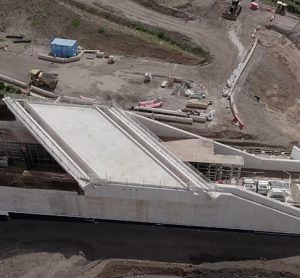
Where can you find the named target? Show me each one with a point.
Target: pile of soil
(248, 269)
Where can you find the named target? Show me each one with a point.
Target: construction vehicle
(148, 77)
(40, 79)
(281, 8)
(233, 10)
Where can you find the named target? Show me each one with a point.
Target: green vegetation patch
(7, 89)
(172, 38)
(293, 5)
(163, 36)
(39, 18)
(102, 29)
(76, 22)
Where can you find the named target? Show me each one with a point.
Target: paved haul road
(214, 38)
(158, 243)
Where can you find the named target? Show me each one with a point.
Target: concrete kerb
(50, 58)
(60, 60)
(244, 64)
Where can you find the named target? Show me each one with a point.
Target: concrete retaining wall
(163, 130)
(240, 71)
(152, 205)
(252, 161)
(295, 153)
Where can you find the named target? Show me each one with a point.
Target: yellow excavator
(40, 79)
(233, 10)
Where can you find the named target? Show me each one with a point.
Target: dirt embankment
(170, 38)
(157, 6)
(248, 269)
(273, 77)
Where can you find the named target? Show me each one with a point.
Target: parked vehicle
(280, 190)
(263, 187)
(282, 185)
(233, 10)
(249, 184)
(277, 194)
(250, 187)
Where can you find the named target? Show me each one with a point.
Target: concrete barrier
(76, 100)
(50, 58)
(252, 161)
(13, 81)
(42, 92)
(295, 154)
(162, 129)
(239, 73)
(60, 60)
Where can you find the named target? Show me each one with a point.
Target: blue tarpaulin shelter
(63, 48)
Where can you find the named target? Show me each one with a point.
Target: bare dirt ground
(249, 269)
(42, 20)
(30, 250)
(159, 270)
(278, 106)
(226, 41)
(56, 265)
(56, 249)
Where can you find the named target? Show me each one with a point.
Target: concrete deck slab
(103, 146)
(202, 151)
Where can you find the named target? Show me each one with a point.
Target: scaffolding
(229, 174)
(29, 154)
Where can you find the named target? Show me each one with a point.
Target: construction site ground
(47, 249)
(273, 73)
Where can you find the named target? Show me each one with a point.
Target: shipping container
(63, 48)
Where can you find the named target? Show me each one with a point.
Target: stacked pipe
(13, 81)
(166, 118)
(169, 115)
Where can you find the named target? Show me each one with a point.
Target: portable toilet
(63, 48)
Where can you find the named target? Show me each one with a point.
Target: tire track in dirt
(212, 38)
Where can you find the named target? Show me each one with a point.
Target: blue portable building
(63, 48)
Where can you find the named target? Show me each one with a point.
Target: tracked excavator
(233, 10)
